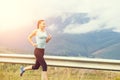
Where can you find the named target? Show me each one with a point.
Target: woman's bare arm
(30, 36)
(48, 38)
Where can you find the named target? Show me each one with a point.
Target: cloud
(52, 27)
(103, 14)
(82, 28)
(21, 13)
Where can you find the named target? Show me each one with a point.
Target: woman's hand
(48, 38)
(34, 44)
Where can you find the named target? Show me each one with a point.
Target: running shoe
(21, 70)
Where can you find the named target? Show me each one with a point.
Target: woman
(42, 37)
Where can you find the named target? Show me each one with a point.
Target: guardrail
(73, 62)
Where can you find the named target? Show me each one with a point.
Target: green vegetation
(11, 72)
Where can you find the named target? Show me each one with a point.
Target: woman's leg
(31, 67)
(28, 68)
(44, 75)
(43, 64)
(37, 64)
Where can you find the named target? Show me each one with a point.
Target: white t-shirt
(41, 39)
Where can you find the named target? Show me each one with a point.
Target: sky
(104, 14)
(18, 15)
(15, 14)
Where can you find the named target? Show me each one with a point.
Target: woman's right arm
(30, 36)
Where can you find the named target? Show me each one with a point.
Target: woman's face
(42, 25)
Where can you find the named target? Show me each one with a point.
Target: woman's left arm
(48, 38)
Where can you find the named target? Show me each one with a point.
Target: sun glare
(13, 14)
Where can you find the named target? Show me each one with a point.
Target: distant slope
(111, 52)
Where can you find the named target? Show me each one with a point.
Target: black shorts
(40, 61)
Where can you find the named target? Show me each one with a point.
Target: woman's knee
(44, 67)
(35, 67)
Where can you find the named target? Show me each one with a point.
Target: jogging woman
(42, 37)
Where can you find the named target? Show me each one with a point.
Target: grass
(11, 72)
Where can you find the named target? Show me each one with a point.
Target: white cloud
(107, 13)
(52, 27)
(82, 28)
(20, 13)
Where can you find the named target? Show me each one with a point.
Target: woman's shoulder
(35, 30)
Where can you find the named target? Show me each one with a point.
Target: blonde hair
(39, 22)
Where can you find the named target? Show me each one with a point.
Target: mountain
(110, 52)
(96, 44)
